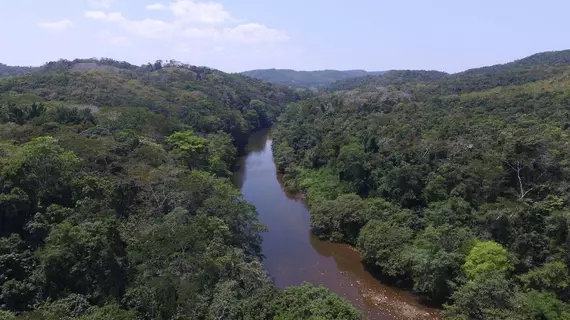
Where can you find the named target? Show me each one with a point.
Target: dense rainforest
(115, 201)
(455, 186)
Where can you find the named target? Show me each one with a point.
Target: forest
(115, 198)
(455, 186)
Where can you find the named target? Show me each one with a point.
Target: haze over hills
(7, 71)
(307, 79)
(348, 79)
(532, 68)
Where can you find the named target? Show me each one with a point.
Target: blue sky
(237, 35)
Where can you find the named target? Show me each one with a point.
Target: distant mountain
(536, 67)
(306, 79)
(8, 71)
(392, 77)
(550, 58)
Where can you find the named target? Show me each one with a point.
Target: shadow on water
(294, 255)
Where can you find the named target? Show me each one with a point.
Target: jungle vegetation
(116, 203)
(456, 186)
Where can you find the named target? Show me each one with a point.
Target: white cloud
(100, 15)
(189, 11)
(115, 40)
(149, 28)
(248, 33)
(101, 3)
(204, 12)
(55, 25)
(191, 30)
(201, 33)
(252, 33)
(156, 6)
(97, 15)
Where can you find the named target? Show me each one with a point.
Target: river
(294, 255)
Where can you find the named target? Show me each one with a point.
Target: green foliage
(549, 277)
(186, 142)
(86, 259)
(385, 244)
(115, 202)
(5, 315)
(221, 153)
(486, 298)
(111, 312)
(189, 146)
(484, 258)
(436, 257)
(538, 305)
(338, 218)
(312, 303)
(68, 308)
(114, 197)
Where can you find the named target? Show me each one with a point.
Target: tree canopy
(457, 185)
(116, 202)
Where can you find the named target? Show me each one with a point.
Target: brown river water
(294, 255)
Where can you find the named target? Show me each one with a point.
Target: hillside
(116, 202)
(551, 58)
(8, 71)
(457, 186)
(392, 77)
(306, 79)
(537, 67)
(206, 99)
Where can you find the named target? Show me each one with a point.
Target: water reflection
(294, 255)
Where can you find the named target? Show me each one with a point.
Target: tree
(5, 315)
(14, 211)
(221, 153)
(552, 276)
(491, 297)
(111, 312)
(87, 259)
(44, 170)
(189, 146)
(340, 219)
(18, 287)
(537, 305)
(453, 211)
(384, 244)
(351, 164)
(311, 303)
(436, 259)
(484, 258)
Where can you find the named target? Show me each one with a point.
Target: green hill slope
(206, 99)
(533, 68)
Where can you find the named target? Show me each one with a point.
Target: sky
(238, 35)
